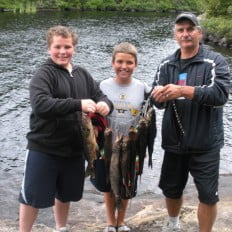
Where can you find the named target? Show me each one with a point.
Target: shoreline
(146, 212)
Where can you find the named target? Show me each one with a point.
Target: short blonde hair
(127, 48)
(63, 31)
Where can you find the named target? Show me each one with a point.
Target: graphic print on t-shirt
(122, 106)
(182, 80)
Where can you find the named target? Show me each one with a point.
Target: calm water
(23, 48)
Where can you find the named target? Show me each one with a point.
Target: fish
(142, 142)
(132, 154)
(90, 144)
(107, 148)
(150, 117)
(152, 131)
(115, 172)
(124, 160)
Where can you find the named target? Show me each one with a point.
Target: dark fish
(107, 151)
(91, 146)
(151, 132)
(124, 160)
(132, 153)
(115, 172)
(142, 142)
(149, 117)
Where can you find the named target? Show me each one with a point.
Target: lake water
(23, 48)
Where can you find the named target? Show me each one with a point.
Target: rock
(12, 226)
(145, 213)
(216, 40)
(143, 216)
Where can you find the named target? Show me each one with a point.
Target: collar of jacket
(49, 61)
(175, 58)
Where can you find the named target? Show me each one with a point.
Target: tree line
(211, 7)
(218, 7)
(217, 13)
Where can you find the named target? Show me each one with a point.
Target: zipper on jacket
(71, 82)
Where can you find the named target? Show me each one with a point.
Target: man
(192, 85)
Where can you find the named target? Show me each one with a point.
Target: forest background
(215, 14)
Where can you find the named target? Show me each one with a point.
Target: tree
(217, 7)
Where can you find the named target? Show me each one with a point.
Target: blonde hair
(127, 48)
(63, 31)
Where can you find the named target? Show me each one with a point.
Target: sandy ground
(145, 213)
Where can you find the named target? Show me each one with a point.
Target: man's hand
(171, 91)
(158, 94)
